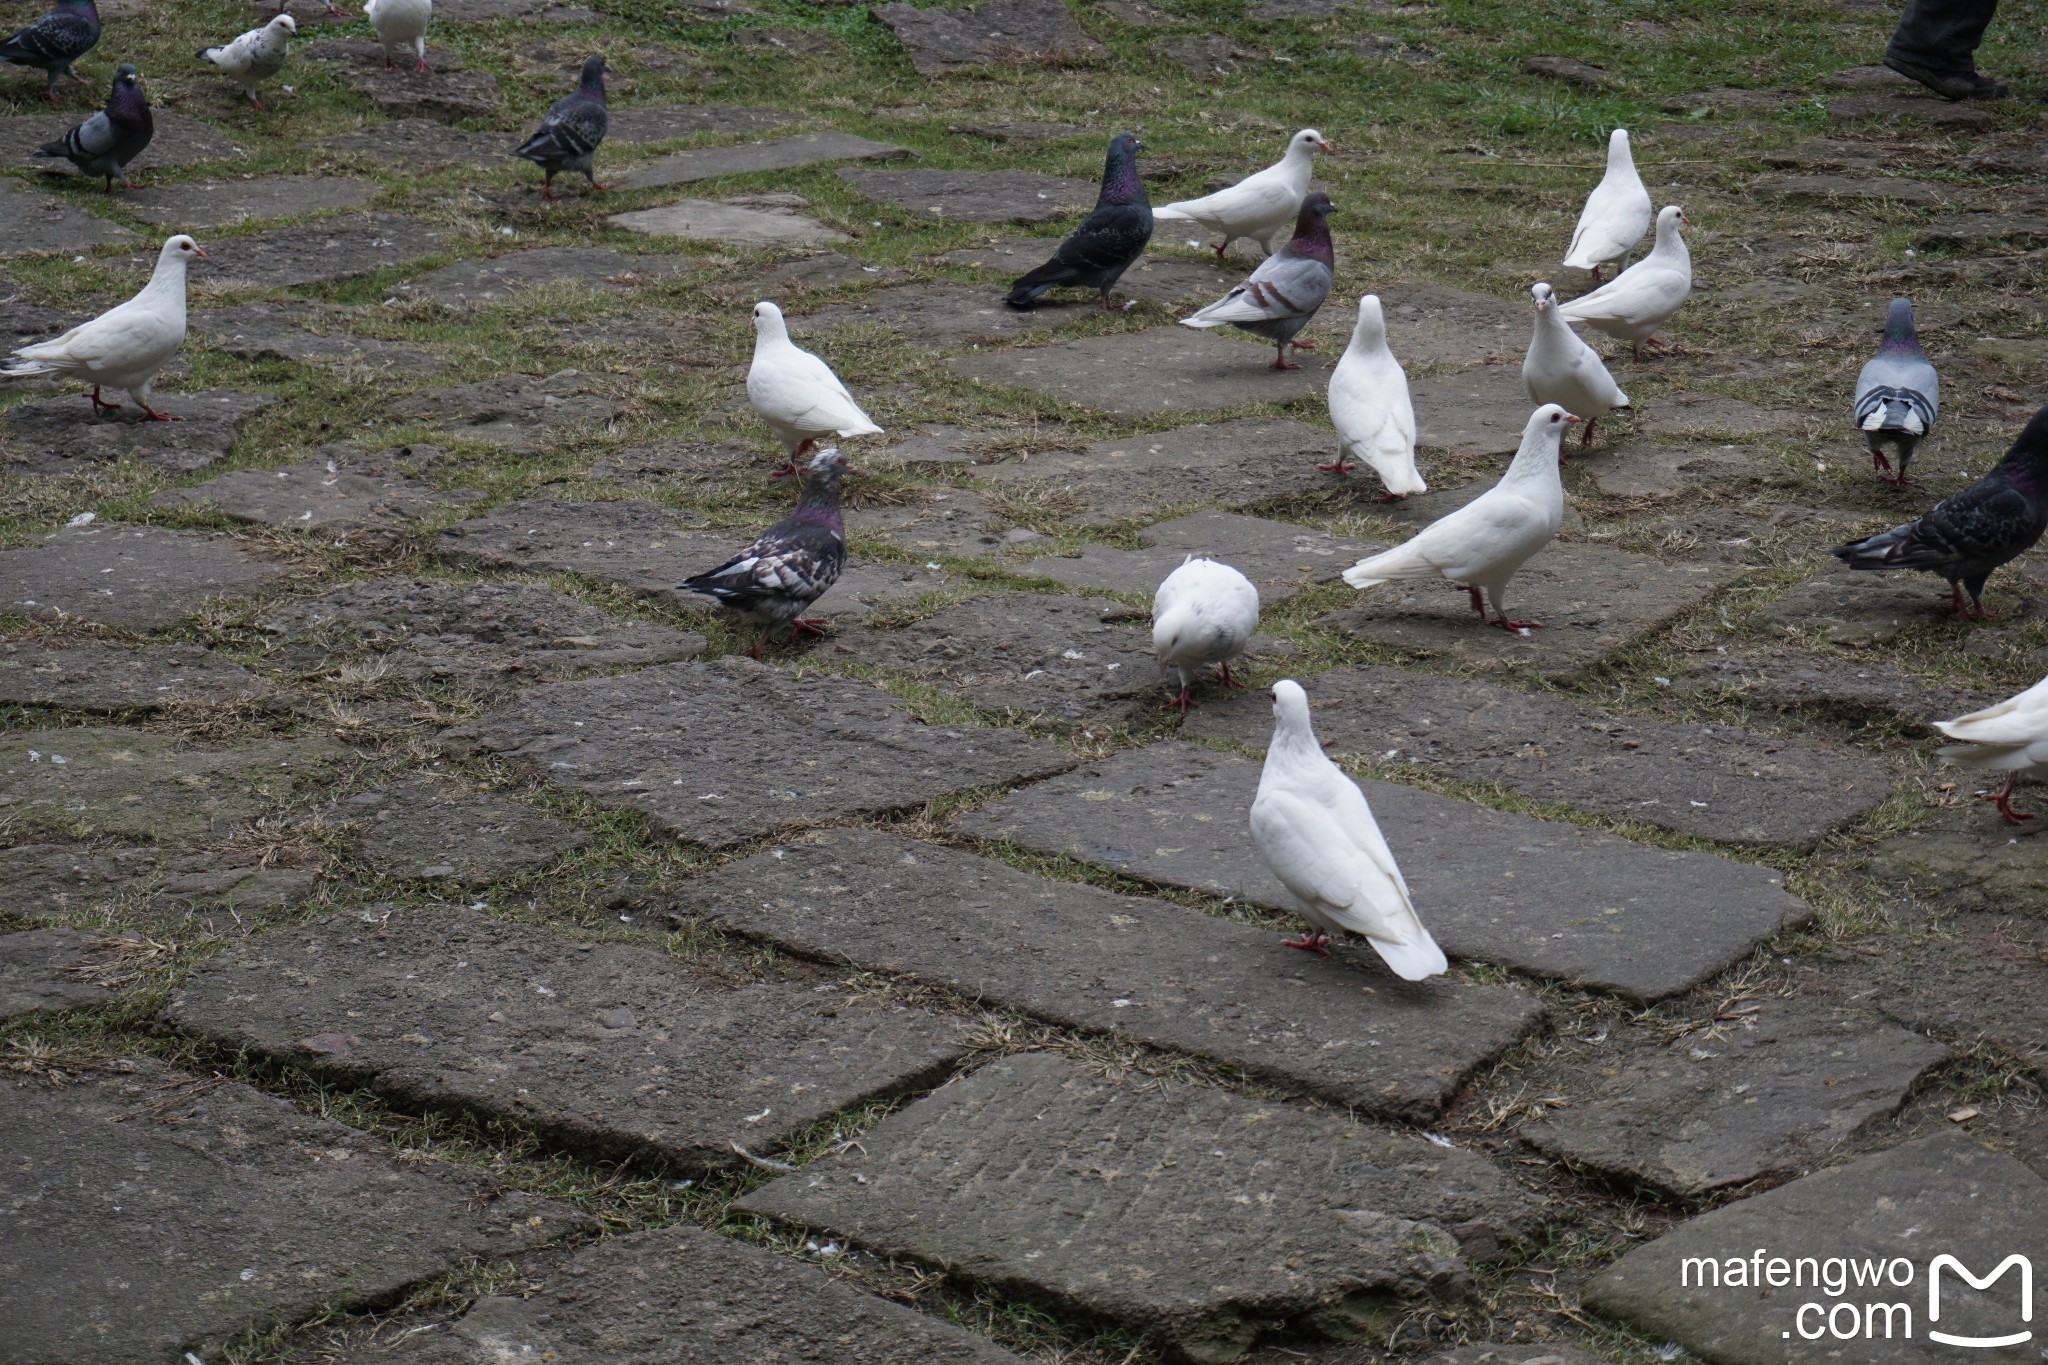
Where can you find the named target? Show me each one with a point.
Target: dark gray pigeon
(1897, 395)
(569, 134)
(1968, 534)
(105, 143)
(53, 42)
(791, 564)
(1287, 288)
(1109, 240)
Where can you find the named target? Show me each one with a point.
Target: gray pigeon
(53, 42)
(791, 564)
(1897, 395)
(105, 143)
(1287, 288)
(570, 132)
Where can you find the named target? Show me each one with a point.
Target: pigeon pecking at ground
(796, 393)
(570, 132)
(1203, 613)
(1634, 304)
(791, 564)
(1371, 408)
(105, 143)
(124, 347)
(1109, 240)
(256, 56)
(1897, 395)
(1261, 206)
(2011, 737)
(1968, 534)
(1562, 369)
(1480, 546)
(1315, 831)
(1616, 215)
(52, 43)
(402, 24)
(1280, 297)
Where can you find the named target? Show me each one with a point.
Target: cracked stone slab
(734, 224)
(102, 781)
(975, 196)
(311, 253)
(37, 223)
(180, 141)
(1472, 412)
(717, 753)
(447, 92)
(1769, 1094)
(129, 884)
(664, 122)
(1240, 464)
(1081, 957)
(1591, 599)
(37, 971)
(993, 33)
(495, 279)
(1280, 558)
(1892, 188)
(1555, 900)
(416, 146)
(193, 205)
(320, 494)
(138, 577)
(276, 1216)
(88, 676)
(612, 1049)
(937, 521)
(269, 330)
(54, 435)
(1717, 781)
(1640, 470)
(1964, 230)
(1161, 279)
(1943, 1194)
(516, 411)
(1036, 1174)
(780, 154)
(1162, 370)
(425, 829)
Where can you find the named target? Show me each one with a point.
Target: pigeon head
(593, 77)
(1617, 147)
(2028, 458)
(1290, 713)
(1669, 219)
(284, 23)
(1312, 231)
(181, 249)
(1120, 181)
(820, 501)
(125, 101)
(1545, 296)
(768, 323)
(1307, 142)
(1898, 327)
(1371, 328)
(1547, 423)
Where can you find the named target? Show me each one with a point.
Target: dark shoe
(1968, 85)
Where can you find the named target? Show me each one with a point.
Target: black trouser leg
(1942, 35)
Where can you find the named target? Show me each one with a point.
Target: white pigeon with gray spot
(256, 56)
(1203, 613)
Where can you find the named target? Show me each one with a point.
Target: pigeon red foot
(1313, 942)
(1339, 466)
(1228, 681)
(100, 405)
(1185, 702)
(1512, 626)
(2002, 798)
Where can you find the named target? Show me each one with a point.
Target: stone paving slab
(938, 521)
(1163, 370)
(35, 222)
(1492, 1353)
(495, 279)
(311, 253)
(608, 1048)
(664, 122)
(104, 781)
(90, 676)
(1712, 416)
(976, 196)
(1938, 1195)
(267, 330)
(1591, 599)
(995, 32)
(937, 315)
(1718, 781)
(137, 577)
(1764, 1095)
(319, 494)
(1852, 691)
(1551, 899)
(719, 753)
(417, 146)
(35, 971)
(1081, 957)
(152, 1213)
(1910, 109)
(1864, 610)
(62, 884)
(1472, 412)
(1640, 470)
(194, 205)
(180, 140)
(517, 411)
(1035, 1174)
(426, 829)
(1965, 856)
(54, 435)
(736, 224)
(1161, 279)
(446, 92)
(781, 154)
(1280, 558)
(1238, 464)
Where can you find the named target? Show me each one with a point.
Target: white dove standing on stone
(255, 56)
(1480, 546)
(1562, 369)
(796, 393)
(1617, 212)
(1204, 613)
(124, 347)
(401, 24)
(1370, 404)
(1643, 297)
(1261, 206)
(1316, 832)
(2011, 737)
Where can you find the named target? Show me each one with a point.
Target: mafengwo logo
(1869, 1299)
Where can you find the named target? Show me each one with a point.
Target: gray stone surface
(417, 146)
(1475, 412)
(101, 781)
(1770, 1093)
(311, 253)
(942, 314)
(309, 334)
(1939, 1195)
(138, 577)
(1965, 856)
(1160, 279)
(1552, 899)
(1572, 71)
(993, 33)
(1081, 957)
(58, 434)
(781, 154)
(1239, 464)
(1641, 471)
(89, 676)
(1895, 189)
(734, 224)
(426, 829)
(1279, 557)
(1853, 691)
(320, 494)
(1163, 370)
(516, 411)
(1208, 56)
(722, 752)
(197, 204)
(128, 884)
(975, 196)
(1929, 110)
(494, 279)
(1035, 1174)
(665, 122)
(937, 521)
(37, 972)
(697, 1297)
(1716, 781)
(36, 222)
(1493, 1353)
(1965, 230)
(1704, 416)
(273, 1215)
(180, 139)
(1862, 610)
(446, 92)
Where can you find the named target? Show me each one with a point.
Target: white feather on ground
(124, 347)
(1203, 613)
(1616, 215)
(795, 392)
(1371, 406)
(1261, 206)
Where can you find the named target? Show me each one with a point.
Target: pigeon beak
(200, 252)
(1570, 418)
(1328, 148)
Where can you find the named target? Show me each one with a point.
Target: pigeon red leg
(1384, 496)
(1586, 436)
(1219, 249)
(1478, 602)
(1512, 626)
(806, 625)
(100, 405)
(789, 466)
(1314, 941)
(1185, 702)
(2002, 798)
(1337, 466)
(1228, 681)
(1281, 362)
(150, 414)
(1302, 345)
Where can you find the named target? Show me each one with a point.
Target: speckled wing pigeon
(791, 564)
(1203, 613)
(256, 56)
(1109, 240)
(105, 143)
(1897, 394)
(1280, 297)
(53, 42)
(570, 132)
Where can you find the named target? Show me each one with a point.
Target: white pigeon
(255, 56)
(1204, 613)
(1617, 212)
(796, 393)
(1262, 206)
(1562, 369)
(1316, 832)
(1370, 405)
(124, 347)
(1481, 545)
(402, 24)
(1643, 297)
(2011, 737)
